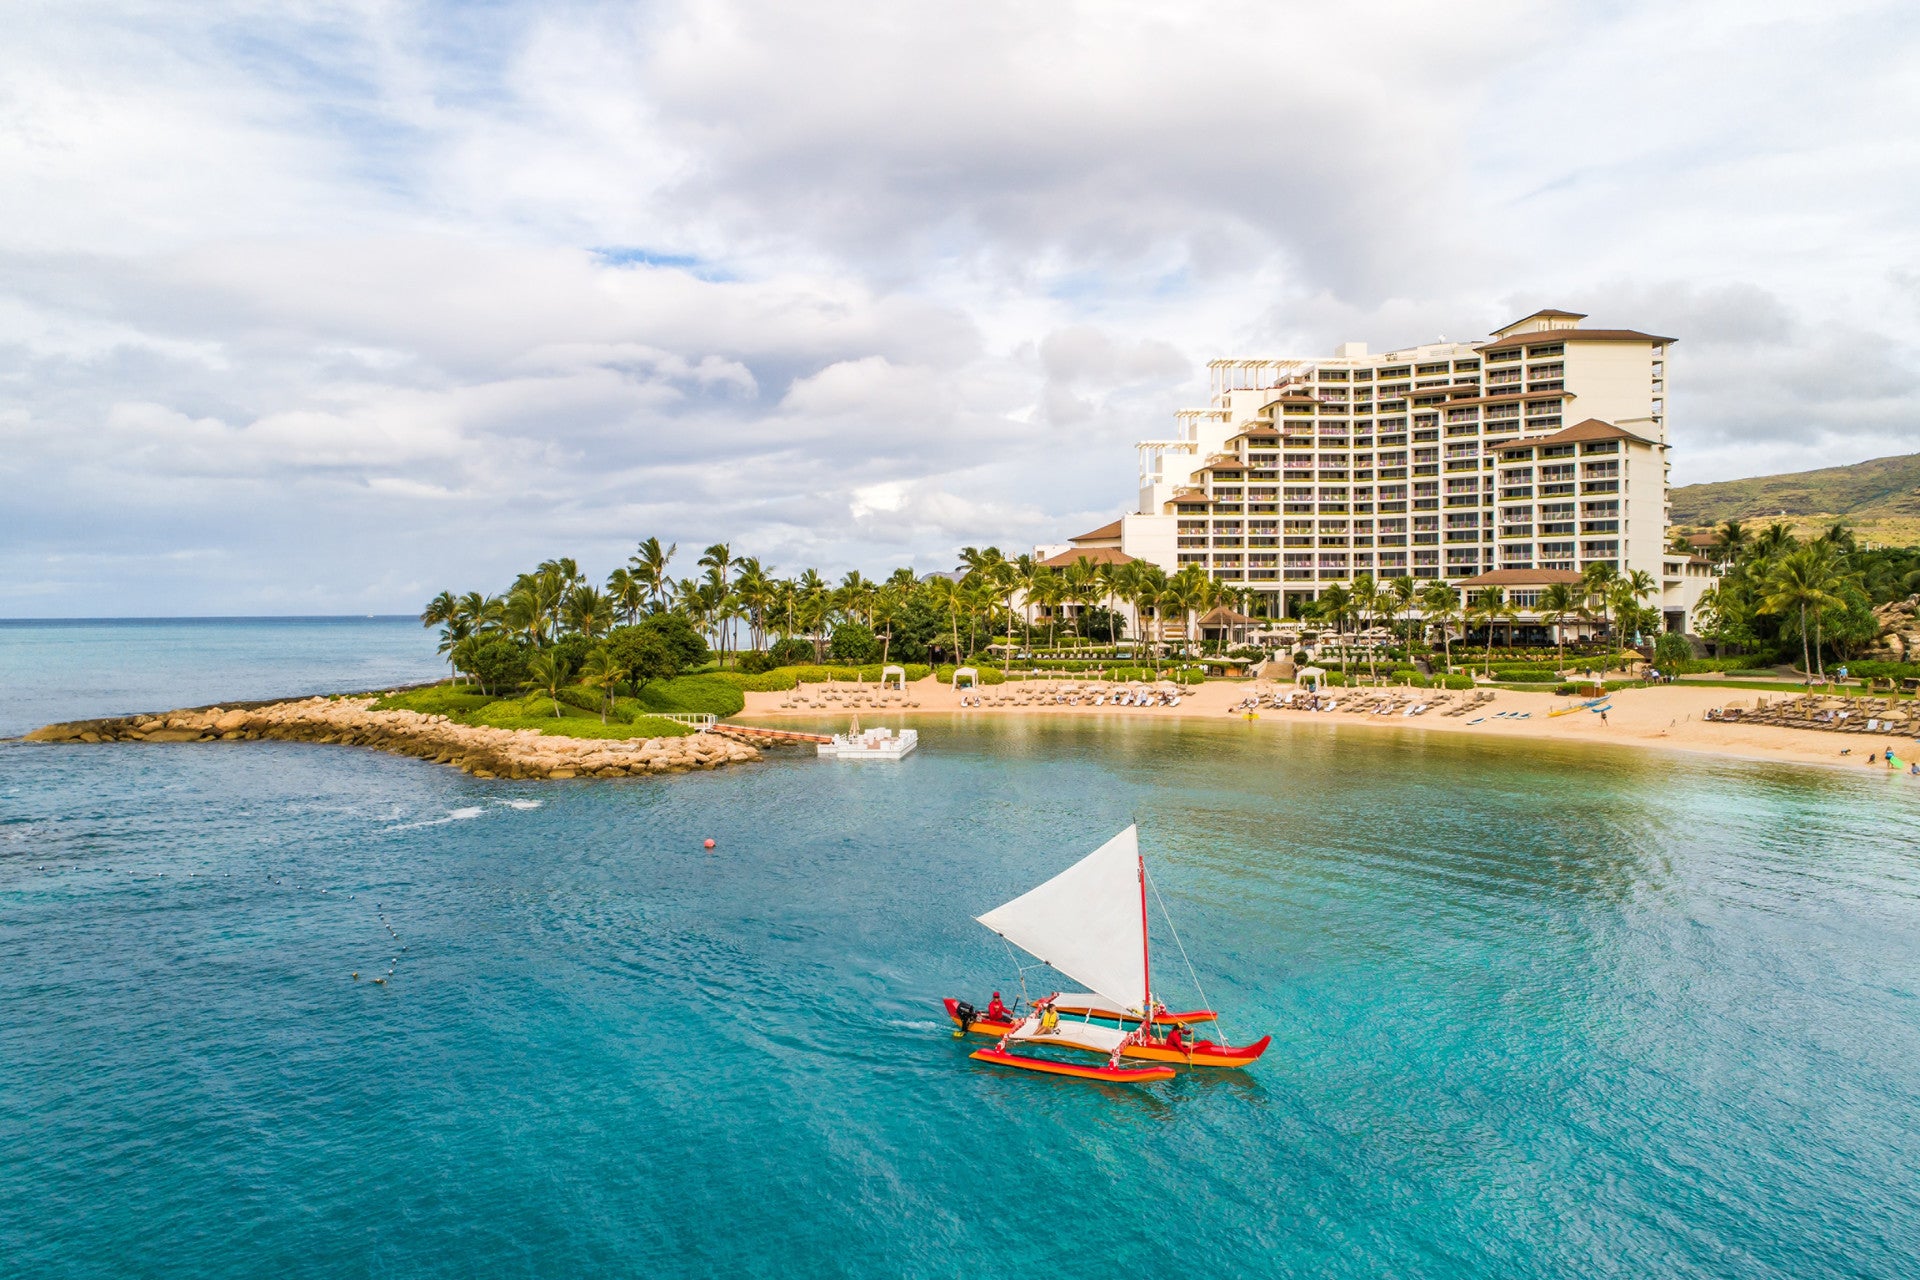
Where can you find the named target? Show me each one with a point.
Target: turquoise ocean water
(1534, 1012)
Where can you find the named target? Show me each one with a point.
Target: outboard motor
(967, 1015)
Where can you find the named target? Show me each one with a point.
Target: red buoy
(709, 844)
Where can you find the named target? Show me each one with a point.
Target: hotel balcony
(1600, 486)
(1516, 531)
(1520, 493)
(1600, 526)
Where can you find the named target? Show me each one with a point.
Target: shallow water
(1535, 1012)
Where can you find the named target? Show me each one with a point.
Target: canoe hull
(1199, 1053)
(1075, 1070)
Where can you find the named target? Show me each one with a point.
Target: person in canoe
(998, 1011)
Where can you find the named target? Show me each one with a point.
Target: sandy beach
(1669, 718)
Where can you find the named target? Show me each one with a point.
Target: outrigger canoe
(1079, 1070)
(1094, 1037)
(1090, 923)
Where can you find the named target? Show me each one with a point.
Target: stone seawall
(480, 751)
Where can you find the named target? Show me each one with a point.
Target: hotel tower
(1514, 462)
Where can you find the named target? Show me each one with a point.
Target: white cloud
(362, 295)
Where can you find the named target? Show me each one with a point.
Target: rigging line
(1018, 969)
(1168, 917)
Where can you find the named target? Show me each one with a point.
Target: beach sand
(1663, 718)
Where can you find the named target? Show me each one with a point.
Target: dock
(754, 733)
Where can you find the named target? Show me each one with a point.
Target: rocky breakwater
(480, 751)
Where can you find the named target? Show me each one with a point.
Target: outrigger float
(1090, 923)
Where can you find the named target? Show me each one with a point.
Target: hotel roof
(1537, 336)
(1521, 578)
(1098, 555)
(1591, 429)
(1104, 531)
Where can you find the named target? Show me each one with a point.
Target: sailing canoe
(1093, 1037)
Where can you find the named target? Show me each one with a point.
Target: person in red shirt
(998, 1012)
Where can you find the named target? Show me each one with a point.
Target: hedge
(1872, 669)
(684, 695)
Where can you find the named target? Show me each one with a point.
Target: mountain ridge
(1878, 498)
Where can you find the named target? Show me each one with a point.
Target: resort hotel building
(1513, 462)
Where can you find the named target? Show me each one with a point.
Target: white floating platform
(874, 744)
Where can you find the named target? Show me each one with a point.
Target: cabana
(891, 672)
(971, 673)
(1310, 677)
(1221, 623)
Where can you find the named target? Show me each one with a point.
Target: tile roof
(1572, 335)
(1098, 555)
(1591, 429)
(1103, 532)
(1521, 578)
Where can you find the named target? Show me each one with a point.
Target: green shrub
(791, 651)
(1870, 669)
(775, 681)
(1457, 681)
(988, 675)
(708, 694)
(755, 662)
(435, 700)
(853, 642)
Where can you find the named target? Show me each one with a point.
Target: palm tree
(1367, 603)
(603, 672)
(887, 601)
(1490, 606)
(1082, 581)
(1440, 605)
(1020, 574)
(1048, 591)
(628, 592)
(1803, 579)
(650, 566)
(1190, 591)
(589, 613)
(1401, 594)
(1596, 586)
(1558, 603)
(549, 671)
(444, 611)
(1730, 542)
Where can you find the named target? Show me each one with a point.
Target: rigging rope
(1019, 969)
(1164, 915)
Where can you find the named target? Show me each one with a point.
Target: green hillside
(1882, 495)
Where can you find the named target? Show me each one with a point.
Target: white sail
(1089, 922)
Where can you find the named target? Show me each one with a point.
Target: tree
(549, 672)
(603, 672)
(649, 564)
(1490, 606)
(588, 612)
(1558, 602)
(1402, 594)
(1367, 603)
(1440, 605)
(498, 663)
(1803, 579)
(627, 592)
(853, 642)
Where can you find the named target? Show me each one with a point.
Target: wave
(454, 815)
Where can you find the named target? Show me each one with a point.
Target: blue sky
(323, 308)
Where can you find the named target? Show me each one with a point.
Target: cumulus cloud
(330, 306)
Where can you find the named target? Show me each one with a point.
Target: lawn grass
(532, 711)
